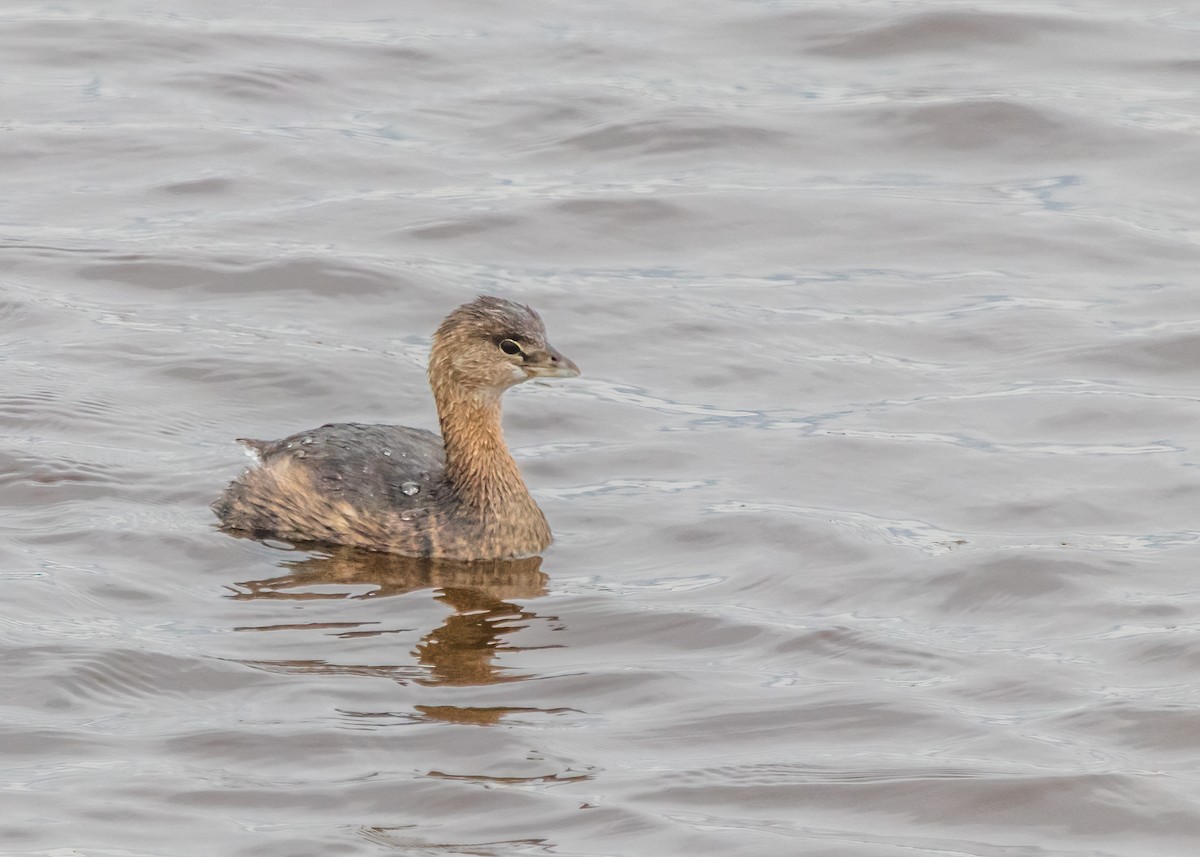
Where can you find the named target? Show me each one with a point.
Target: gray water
(875, 506)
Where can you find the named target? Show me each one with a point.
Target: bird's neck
(478, 462)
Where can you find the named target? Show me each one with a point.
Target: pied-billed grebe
(406, 490)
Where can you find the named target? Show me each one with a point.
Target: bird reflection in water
(460, 652)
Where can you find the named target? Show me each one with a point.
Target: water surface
(875, 507)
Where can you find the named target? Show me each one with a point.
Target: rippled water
(876, 505)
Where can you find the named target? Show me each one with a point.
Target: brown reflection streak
(389, 574)
(461, 652)
(480, 716)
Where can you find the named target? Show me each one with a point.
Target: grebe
(405, 490)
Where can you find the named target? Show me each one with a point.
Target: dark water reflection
(461, 651)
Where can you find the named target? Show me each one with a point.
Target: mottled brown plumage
(405, 490)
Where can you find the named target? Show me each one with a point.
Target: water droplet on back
(387, 452)
(410, 488)
(307, 440)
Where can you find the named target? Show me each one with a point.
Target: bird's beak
(552, 364)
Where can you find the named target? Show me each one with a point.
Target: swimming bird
(409, 491)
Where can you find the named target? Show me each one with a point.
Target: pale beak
(552, 364)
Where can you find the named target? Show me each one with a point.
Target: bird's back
(333, 481)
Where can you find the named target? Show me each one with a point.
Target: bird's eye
(509, 347)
